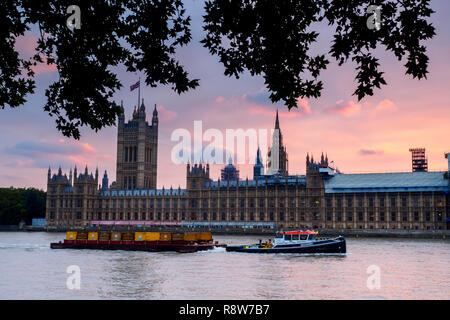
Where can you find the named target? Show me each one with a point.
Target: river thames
(408, 269)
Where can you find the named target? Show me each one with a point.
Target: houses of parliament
(322, 198)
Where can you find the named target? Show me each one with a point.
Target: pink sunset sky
(372, 135)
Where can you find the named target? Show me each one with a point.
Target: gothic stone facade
(323, 198)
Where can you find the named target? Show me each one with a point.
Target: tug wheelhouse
(294, 237)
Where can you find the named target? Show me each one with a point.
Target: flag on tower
(136, 85)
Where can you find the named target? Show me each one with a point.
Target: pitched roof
(387, 182)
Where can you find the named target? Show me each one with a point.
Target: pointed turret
(49, 173)
(142, 109)
(105, 181)
(277, 160)
(258, 168)
(229, 172)
(155, 117)
(122, 114)
(277, 122)
(75, 174)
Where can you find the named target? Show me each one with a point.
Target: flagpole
(139, 93)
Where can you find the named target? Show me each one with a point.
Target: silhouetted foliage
(18, 204)
(273, 38)
(265, 37)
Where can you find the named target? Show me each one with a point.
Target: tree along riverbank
(19, 204)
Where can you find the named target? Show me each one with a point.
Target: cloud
(303, 106)
(15, 180)
(368, 152)
(41, 154)
(19, 164)
(260, 104)
(165, 114)
(386, 106)
(35, 149)
(220, 99)
(344, 109)
(26, 46)
(259, 98)
(44, 67)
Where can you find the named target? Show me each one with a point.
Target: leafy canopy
(264, 37)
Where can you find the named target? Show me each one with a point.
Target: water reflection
(410, 269)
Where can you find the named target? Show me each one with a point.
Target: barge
(138, 241)
(295, 242)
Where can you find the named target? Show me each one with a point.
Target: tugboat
(295, 242)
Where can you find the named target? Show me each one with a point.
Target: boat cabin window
(287, 237)
(303, 236)
(279, 235)
(295, 236)
(312, 237)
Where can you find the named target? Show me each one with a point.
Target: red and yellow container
(139, 236)
(82, 236)
(165, 236)
(116, 236)
(152, 236)
(204, 236)
(93, 236)
(71, 235)
(190, 236)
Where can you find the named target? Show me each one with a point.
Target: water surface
(409, 269)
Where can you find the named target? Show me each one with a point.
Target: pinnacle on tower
(258, 156)
(122, 114)
(277, 122)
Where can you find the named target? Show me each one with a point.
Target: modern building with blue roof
(321, 198)
(388, 182)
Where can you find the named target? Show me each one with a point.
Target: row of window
(393, 216)
(194, 203)
(130, 154)
(404, 217)
(129, 182)
(382, 202)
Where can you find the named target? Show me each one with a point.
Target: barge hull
(132, 246)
